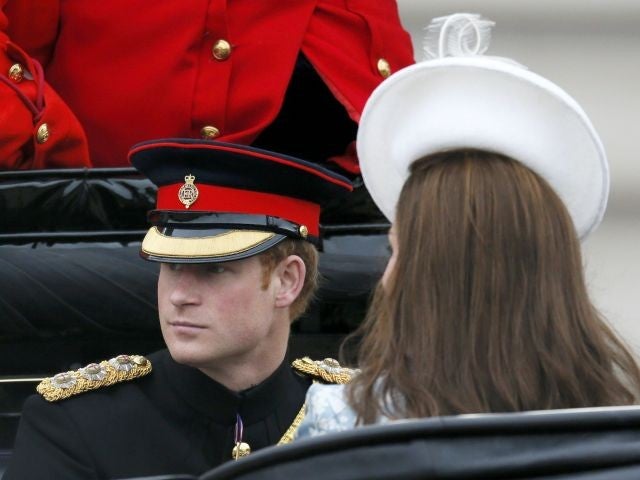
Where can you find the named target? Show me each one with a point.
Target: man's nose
(185, 290)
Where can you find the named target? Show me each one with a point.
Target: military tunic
(173, 420)
(136, 70)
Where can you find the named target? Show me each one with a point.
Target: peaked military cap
(219, 201)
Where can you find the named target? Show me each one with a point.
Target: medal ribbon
(238, 435)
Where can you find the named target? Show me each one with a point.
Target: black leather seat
(69, 242)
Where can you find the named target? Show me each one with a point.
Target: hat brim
(483, 103)
(205, 246)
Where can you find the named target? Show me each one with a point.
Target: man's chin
(187, 358)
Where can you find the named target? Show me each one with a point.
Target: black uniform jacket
(174, 420)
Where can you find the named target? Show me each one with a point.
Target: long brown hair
(487, 308)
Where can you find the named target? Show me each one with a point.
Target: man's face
(216, 314)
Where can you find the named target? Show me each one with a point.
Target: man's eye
(174, 267)
(216, 268)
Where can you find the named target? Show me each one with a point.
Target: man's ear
(291, 272)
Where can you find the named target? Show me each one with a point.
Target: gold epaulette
(95, 375)
(327, 370)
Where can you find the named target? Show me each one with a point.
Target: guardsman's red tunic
(135, 70)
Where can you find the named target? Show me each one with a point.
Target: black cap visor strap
(165, 219)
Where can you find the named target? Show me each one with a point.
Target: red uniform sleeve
(37, 129)
(354, 45)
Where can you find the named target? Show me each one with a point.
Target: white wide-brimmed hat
(475, 101)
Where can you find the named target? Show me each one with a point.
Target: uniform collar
(214, 400)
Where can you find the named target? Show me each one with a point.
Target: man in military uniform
(233, 232)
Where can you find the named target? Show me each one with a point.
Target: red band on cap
(212, 198)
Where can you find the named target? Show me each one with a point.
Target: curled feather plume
(459, 34)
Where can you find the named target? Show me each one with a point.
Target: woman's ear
(291, 272)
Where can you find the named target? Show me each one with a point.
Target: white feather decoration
(456, 35)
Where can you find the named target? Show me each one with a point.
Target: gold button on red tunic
(221, 50)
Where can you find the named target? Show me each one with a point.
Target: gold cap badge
(188, 192)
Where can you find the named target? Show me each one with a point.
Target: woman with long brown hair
(489, 174)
